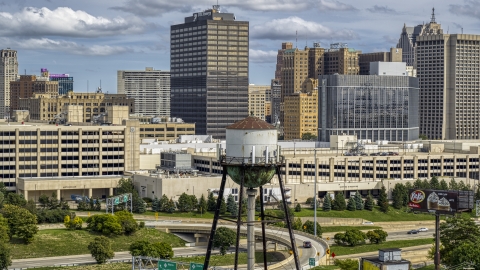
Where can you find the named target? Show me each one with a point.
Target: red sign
(333, 254)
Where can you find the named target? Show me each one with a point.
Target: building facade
(301, 112)
(407, 42)
(341, 59)
(66, 151)
(209, 70)
(8, 73)
(371, 107)
(275, 101)
(149, 88)
(65, 82)
(279, 65)
(166, 131)
(448, 69)
(259, 101)
(364, 59)
(90, 107)
(27, 86)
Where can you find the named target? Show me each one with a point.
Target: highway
(304, 254)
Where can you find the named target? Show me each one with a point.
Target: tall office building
(65, 82)
(371, 107)
(209, 71)
(8, 73)
(150, 88)
(259, 101)
(28, 85)
(275, 100)
(341, 59)
(448, 68)
(278, 67)
(364, 59)
(407, 43)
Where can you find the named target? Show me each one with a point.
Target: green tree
(347, 264)
(354, 237)
(308, 136)
(15, 199)
(382, 200)
(358, 201)
(297, 224)
(2, 199)
(418, 184)
(126, 220)
(369, 202)
(399, 194)
(443, 185)
(298, 208)
(339, 202)
(202, 205)
(452, 185)
(308, 228)
(5, 258)
(223, 239)
(477, 193)
(377, 236)
(139, 205)
(434, 183)
(211, 202)
(98, 205)
(156, 204)
(457, 234)
(183, 204)
(463, 186)
(4, 230)
(163, 204)
(425, 184)
(21, 222)
(105, 224)
(223, 206)
(327, 203)
(156, 250)
(101, 249)
(231, 205)
(352, 204)
(192, 203)
(125, 185)
(170, 208)
(423, 137)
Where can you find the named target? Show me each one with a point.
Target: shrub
(101, 249)
(298, 208)
(141, 225)
(308, 228)
(51, 216)
(377, 236)
(21, 222)
(223, 239)
(105, 224)
(156, 250)
(126, 220)
(309, 201)
(73, 222)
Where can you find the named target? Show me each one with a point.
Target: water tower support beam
(251, 192)
(287, 218)
(262, 218)
(215, 219)
(239, 217)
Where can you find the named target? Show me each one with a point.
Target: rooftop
(251, 122)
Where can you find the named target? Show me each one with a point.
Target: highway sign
(311, 261)
(196, 266)
(333, 255)
(328, 251)
(166, 265)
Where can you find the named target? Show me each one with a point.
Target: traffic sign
(333, 254)
(328, 251)
(195, 266)
(167, 265)
(311, 261)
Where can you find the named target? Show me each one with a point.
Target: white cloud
(381, 9)
(159, 7)
(259, 56)
(471, 8)
(289, 28)
(63, 21)
(62, 46)
(329, 5)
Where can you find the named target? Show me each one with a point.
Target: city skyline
(91, 40)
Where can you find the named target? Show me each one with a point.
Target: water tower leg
(239, 218)
(287, 218)
(215, 219)
(262, 218)
(251, 229)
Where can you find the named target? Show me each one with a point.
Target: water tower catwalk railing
(245, 173)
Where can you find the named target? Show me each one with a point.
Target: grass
(428, 267)
(347, 250)
(325, 267)
(110, 266)
(62, 242)
(229, 259)
(329, 229)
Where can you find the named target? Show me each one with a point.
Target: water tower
(252, 159)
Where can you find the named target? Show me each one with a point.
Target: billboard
(433, 201)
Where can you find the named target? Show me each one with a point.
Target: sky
(92, 39)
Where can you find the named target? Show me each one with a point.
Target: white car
(367, 223)
(423, 229)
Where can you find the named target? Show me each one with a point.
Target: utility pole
(315, 195)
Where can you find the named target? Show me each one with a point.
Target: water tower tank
(251, 146)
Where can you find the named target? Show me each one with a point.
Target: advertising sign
(433, 201)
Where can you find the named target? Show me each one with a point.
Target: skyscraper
(448, 69)
(150, 88)
(209, 70)
(65, 82)
(407, 41)
(8, 73)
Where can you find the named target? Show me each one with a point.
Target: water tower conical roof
(251, 122)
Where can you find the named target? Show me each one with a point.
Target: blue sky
(91, 40)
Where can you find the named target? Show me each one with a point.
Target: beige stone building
(29, 85)
(163, 128)
(8, 73)
(31, 150)
(78, 107)
(301, 112)
(364, 59)
(342, 60)
(259, 101)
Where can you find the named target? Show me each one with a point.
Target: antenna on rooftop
(296, 38)
(432, 20)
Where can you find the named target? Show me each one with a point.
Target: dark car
(307, 244)
(412, 232)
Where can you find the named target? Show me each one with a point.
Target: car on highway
(367, 223)
(412, 232)
(423, 230)
(307, 244)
